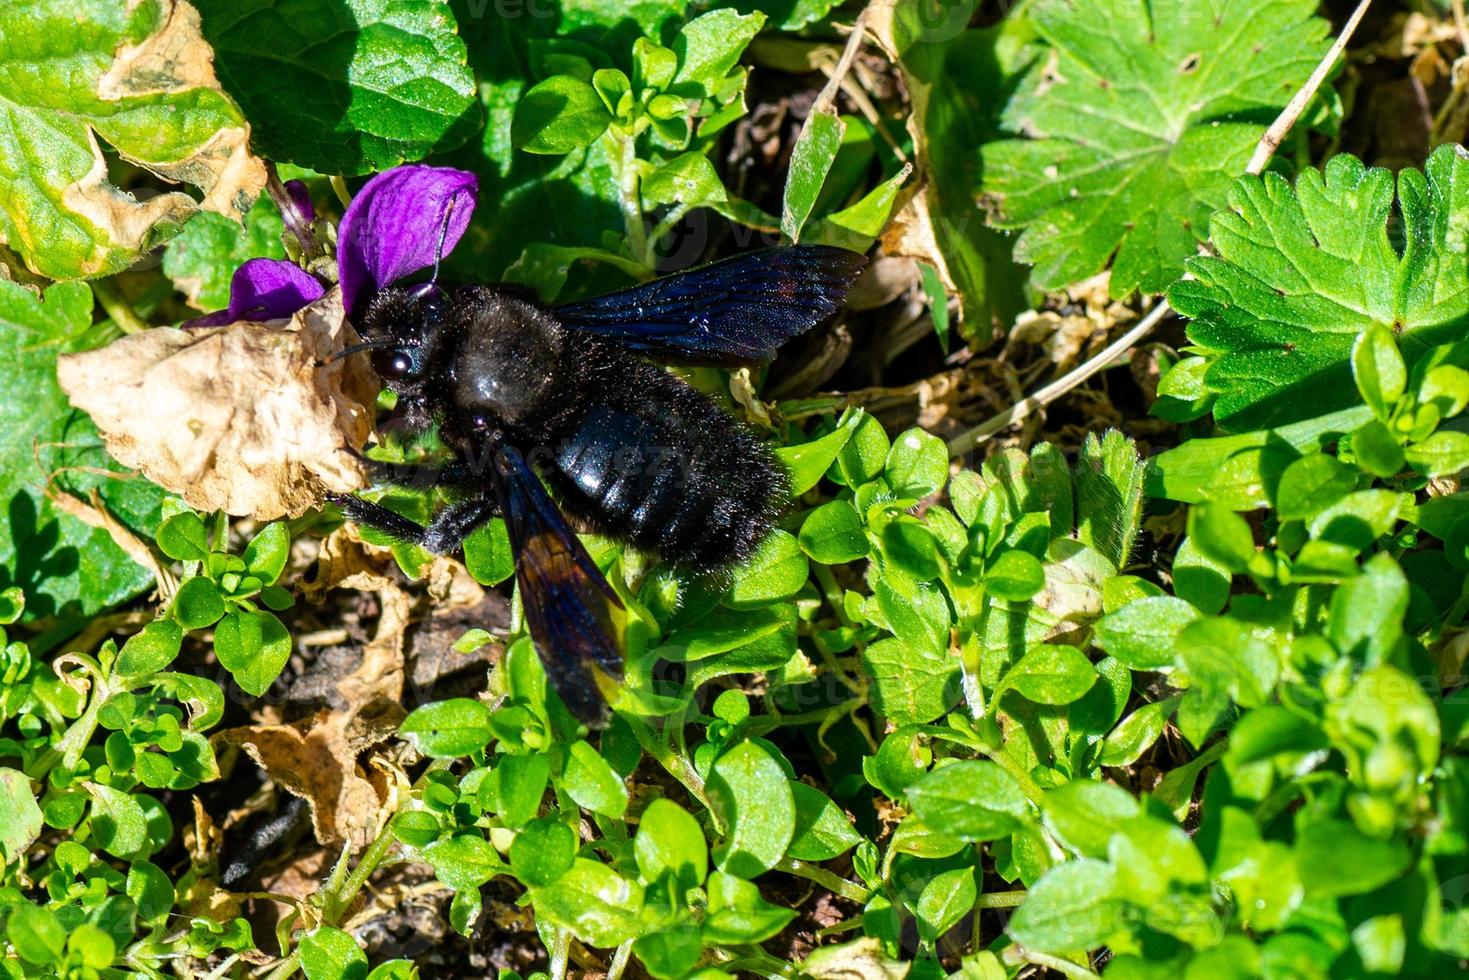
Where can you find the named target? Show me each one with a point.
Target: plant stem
(849, 890)
(676, 765)
(1000, 900)
(117, 308)
(619, 961)
(1062, 966)
(625, 164)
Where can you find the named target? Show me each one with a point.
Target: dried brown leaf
(239, 418)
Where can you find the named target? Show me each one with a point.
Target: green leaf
(975, 801)
(118, 821)
(957, 81)
(752, 796)
(1136, 733)
(669, 839)
(522, 781)
(354, 88)
(65, 567)
(1377, 451)
(1320, 849)
(709, 46)
(1085, 814)
(1141, 634)
(331, 954)
(203, 258)
(1378, 368)
(542, 852)
(149, 650)
(809, 461)
(811, 160)
(1138, 122)
(1279, 324)
(911, 684)
(448, 729)
(865, 454)
(265, 556)
(559, 115)
(35, 933)
(466, 860)
(197, 603)
(1222, 535)
(822, 829)
(1442, 454)
(1015, 575)
(253, 647)
(1311, 484)
(774, 573)
(671, 952)
(487, 553)
(591, 782)
(80, 75)
(945, 899)
(20, 816)
(1051, 674)
(833, 534)
(598, 905)
(184, 537)
(739, 914)
(1109, 492)
(918, 464)
(1073, 908)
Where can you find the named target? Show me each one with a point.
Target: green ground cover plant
(1166, 679)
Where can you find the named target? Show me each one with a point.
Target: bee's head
(403, 327)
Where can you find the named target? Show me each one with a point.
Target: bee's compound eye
(395, 364)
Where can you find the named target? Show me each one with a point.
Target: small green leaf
(809, 461)
(253, 647)
(1073, 908)
(1136, 733)
(972, 800)
(198, 603)
(1221, 534)
(739, 914)
(118, 821)
(1311, 484)
(822, 830)
(20, 816)
(752, 795)
(598, 905)
(558, 115)
(265, 556)
(669, 839)
(774, 573)
(150, 649)
(522, 781)
(709, 46)
(1320, 852)
(465, 860)
(448, 729)
(945, 899)
(36, 934)
(151, 891)
(543, 851)
(1015, 575)
(918, 464)
(1141, 634)
(811, 160)
(1051, 674)
(1377, 451)
(331, 954)
(1444, 453)
(833, 534)
(183, 537)
(591, 782)
(1379, 370)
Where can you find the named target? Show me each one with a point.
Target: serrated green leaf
(351, 88)
(203, 258)
(1279, 322)
(1139, 119)
(65, 567)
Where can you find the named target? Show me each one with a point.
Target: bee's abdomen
(662, 466)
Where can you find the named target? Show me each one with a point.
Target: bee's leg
(443, 535)
(421, 476)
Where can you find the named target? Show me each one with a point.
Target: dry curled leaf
(239, 418)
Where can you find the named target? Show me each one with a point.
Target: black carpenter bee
(626, 448)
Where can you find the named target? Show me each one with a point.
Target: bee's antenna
(365, 345)
(443, 236)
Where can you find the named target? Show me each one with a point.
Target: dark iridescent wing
(567, 601)
(736, 311)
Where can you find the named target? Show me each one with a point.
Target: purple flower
(392, 229)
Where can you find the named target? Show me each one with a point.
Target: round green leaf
(1052, 674)
(833, 534)
(1142, 633)
(149, 650)
(331, 954)
(253, 647)
(972, 800)
(669, 839)
(752, 794)
(197, 603)
(774, 573)
(1015, 575)
(558, 115)
(448, 729)
(917, 464)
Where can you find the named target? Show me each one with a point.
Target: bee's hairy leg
(443, 534)
(421, 476)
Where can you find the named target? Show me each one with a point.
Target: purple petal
(392, 227)
(265, 289)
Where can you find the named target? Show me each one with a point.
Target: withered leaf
(241, 418)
